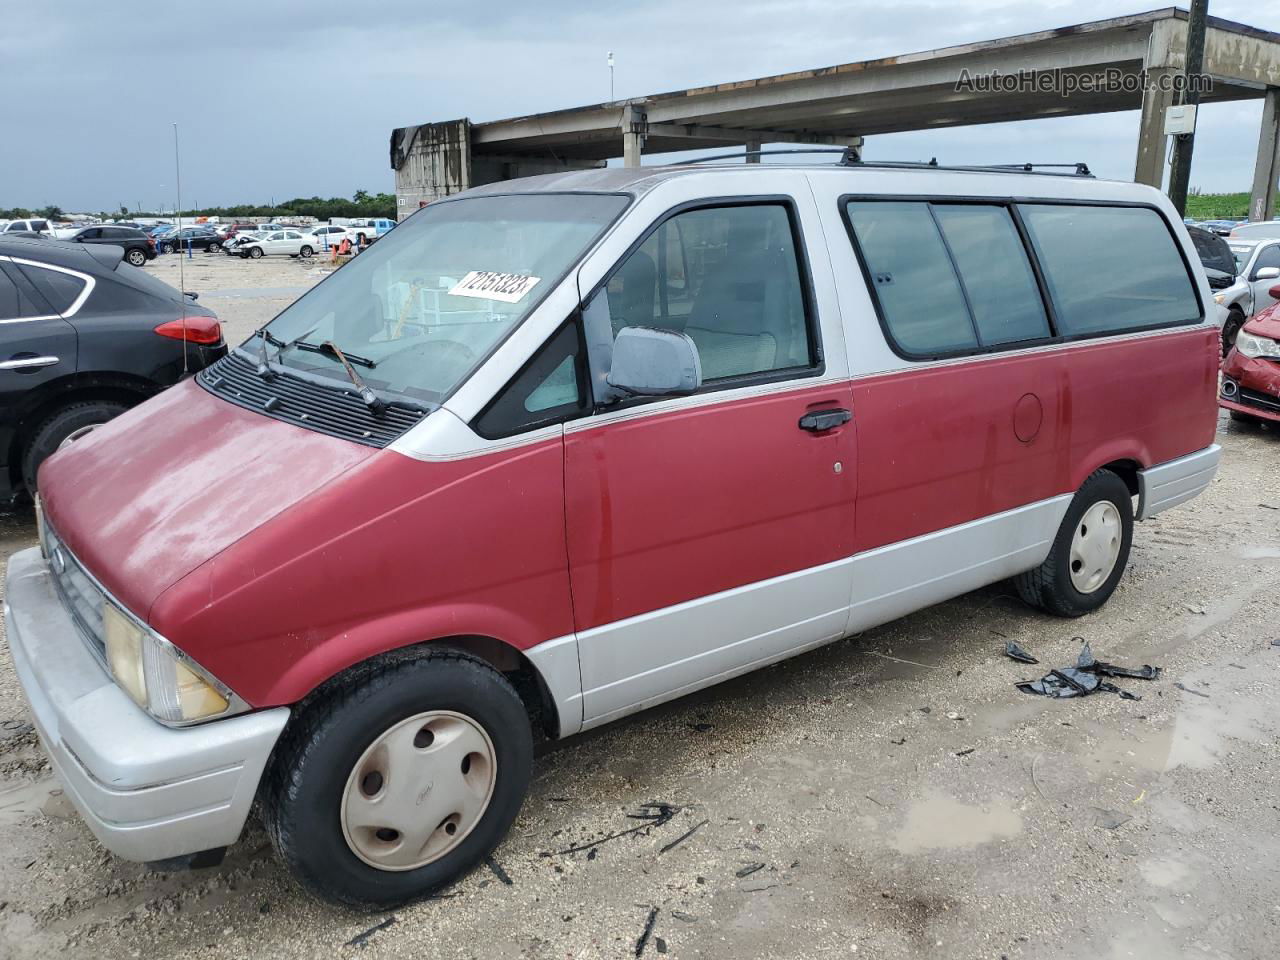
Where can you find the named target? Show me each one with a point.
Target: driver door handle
(26, 363)
(819, 421)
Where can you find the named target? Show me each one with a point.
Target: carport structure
(1124, 63)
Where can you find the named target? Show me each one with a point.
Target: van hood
(147, 498)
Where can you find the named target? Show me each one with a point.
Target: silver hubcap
(75, 435)
(418, 790)
(1095, 546)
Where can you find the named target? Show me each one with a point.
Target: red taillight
(151, 241)
(203, 330)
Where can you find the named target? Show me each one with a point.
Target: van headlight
(1257, 347)
(155, 674)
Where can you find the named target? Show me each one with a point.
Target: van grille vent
(329, 410)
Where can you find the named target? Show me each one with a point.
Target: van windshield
(428, 301)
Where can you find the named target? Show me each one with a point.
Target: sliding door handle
(818, 421)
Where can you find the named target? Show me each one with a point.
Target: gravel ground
(891, 795)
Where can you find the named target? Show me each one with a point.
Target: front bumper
(1251, 385)
(147, 791)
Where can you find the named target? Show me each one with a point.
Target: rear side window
(912, 277)
(60, 289)
(948, 278)
(730, 278)
(997, 277)
(1110, 269)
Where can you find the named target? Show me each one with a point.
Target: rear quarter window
(61, 290)
(1110, 269)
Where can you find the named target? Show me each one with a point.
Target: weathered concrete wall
(436, 160)
(431, 161)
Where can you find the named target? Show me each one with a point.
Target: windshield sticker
(488, 285)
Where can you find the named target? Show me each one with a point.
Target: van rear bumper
(1168, 484)
(147, 791)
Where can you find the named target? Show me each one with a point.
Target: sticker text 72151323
(490, 285)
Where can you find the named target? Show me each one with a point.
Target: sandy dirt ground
(892, 795)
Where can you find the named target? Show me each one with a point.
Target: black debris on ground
(647, 931)
(496, 869)
(748, 870)
(1012, 649)
(1186, 689)
(1085, 678)
(683, 837)
(654, 815)
(362, 939)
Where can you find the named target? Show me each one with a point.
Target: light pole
(610, 76)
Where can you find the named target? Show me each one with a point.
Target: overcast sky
(279, 98)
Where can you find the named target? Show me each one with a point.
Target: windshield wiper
(371, 399)
(264, 364)
(325, 348)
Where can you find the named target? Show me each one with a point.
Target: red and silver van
(557, 450)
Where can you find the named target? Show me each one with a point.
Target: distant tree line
(1218, 206)
(361, 204)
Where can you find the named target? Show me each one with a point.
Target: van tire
(1049, 586)
(59, 426)
(303, 791)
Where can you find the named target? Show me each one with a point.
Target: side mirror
(654, 363)
(1266, 273)
(191, 293)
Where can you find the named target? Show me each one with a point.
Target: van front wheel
(1089, 553)
(400, 779)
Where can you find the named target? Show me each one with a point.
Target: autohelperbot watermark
(1068, 83)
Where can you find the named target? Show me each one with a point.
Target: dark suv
(84, 336)
(138, 247)
(199, 238)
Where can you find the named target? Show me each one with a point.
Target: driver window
(729, 277)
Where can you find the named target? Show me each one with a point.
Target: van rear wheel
(1089, 553)
(400, 779)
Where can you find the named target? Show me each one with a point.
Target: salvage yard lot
(892, 793)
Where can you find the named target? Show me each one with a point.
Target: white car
(279, 243)
(328, 235)
(1257, 269)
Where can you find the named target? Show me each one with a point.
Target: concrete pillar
(634, 124)
(1266, 169)
(753, 157)
(1150, 164)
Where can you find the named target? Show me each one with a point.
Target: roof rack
(849, 157)
(1049, 169)
(743, 154)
